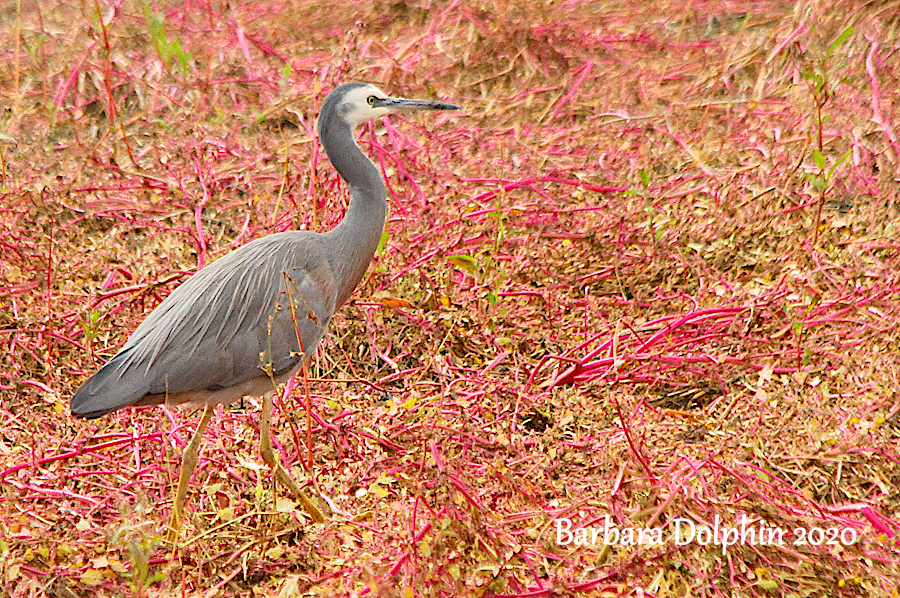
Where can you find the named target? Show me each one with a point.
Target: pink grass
(649, 324)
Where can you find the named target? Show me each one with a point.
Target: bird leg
(268, 455)
(188, 463)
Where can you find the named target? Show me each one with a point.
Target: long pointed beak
(403, 104)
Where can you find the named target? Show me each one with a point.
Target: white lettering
(560, 531)
(729, 538)
(610, 532)
(704, 535)
(580, 536)
(686, 531)
(655, 536)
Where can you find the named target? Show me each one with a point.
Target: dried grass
(623, 284)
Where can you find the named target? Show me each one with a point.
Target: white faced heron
(250, 320)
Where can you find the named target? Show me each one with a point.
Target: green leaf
(660, 230)
(843, 157)
(463, 262)
(382, 242)
(807, 356)
(645, 178)
(492, 298)
(844, 35)
(814, 77)
(819, 158)
(818, 181)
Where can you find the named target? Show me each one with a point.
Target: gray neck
(353, 242)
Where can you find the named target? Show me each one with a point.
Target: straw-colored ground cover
(649, 276)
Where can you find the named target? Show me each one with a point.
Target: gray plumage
(215, 337)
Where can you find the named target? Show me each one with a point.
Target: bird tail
(111, 388)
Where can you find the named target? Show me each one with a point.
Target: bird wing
(228, 323)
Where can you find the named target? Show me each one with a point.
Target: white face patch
(356, 108)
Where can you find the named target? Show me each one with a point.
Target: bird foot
(174, 530)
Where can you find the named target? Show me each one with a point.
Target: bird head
(356, 103)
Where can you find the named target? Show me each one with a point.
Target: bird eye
(371, 100)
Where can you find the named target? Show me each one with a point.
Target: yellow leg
(188, 463)
(268, 455)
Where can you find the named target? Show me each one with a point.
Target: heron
(250, 320)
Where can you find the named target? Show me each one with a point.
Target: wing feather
(211, 331)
